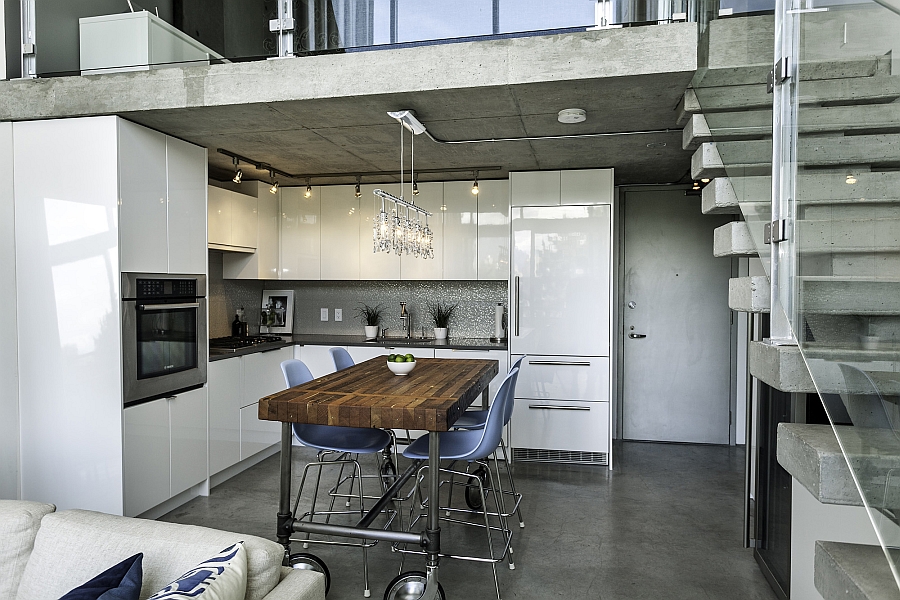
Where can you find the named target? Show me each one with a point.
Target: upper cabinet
(431, 198)
(233, 219)
(340, 233)
(374, 265)
(552, 188)
(162, 202)
(460, 230)
(301, 234)
(493, 229)
(264, 215)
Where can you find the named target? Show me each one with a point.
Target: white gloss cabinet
(460, 231)
(363, 353)
(586, 186)
(317, 359)
(493, 229)
(262, 376)
(189, 439)
(143, 219)
(561, 425)
(232, 219)
(263, 263)
(340, 233)
(534, 188)
(147, 462)
(374, 265)
(187, 211)
(301, 234)
(224, 381)
(431, 198)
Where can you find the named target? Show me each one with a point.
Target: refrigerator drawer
(563, 377)
(560, 425)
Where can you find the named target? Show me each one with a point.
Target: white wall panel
(68, 298)
(9, 376)
(187, 181)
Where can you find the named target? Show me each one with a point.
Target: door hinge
(778, 75)
(775, 232)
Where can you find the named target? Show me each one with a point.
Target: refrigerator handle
(517, 305)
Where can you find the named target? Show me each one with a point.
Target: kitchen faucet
(404, 320)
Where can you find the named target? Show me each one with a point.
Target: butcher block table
(431, 397)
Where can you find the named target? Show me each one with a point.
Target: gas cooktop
(232, 344)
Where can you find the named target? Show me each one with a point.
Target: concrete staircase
(848, 260)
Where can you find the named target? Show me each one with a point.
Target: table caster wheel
(409, 586)
(473, 495)
(388, 472)
(310, 562)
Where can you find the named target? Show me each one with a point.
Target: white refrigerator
(560, 322)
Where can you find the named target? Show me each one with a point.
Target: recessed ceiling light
(656, 145)
(571, 115)
(851, 179)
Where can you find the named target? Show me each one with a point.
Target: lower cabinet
(165, 449)
(560, 425)
(363, 353)
(224, 377)
(317, 359)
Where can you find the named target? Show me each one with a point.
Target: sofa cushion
(19, 523)
(76, 544)
(221, 577)
(121, 581)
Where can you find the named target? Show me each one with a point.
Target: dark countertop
(359, 340)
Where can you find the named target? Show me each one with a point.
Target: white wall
(67, 259)
(9, 381)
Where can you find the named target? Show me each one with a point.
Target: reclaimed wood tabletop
(431, 397)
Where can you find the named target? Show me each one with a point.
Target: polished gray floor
(666, 523)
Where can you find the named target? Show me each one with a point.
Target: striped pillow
(222, 577)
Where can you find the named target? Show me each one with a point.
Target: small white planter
(440, 333)
(371, 332)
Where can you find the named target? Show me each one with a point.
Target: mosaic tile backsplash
(473, 318)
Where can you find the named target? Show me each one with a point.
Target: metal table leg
(433, 531)
(285, 518)
(485, 398)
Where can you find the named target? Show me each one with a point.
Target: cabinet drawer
(563, 378)
(560, 425)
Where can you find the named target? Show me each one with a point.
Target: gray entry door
(676, 379)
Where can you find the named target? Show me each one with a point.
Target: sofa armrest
(299, 584)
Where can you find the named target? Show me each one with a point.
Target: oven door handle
(168, 306)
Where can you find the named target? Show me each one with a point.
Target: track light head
(409, 120)
(415, 188)
(475, 185)
(308, 192)
(357, 192)
(237, 176)
(274, 188)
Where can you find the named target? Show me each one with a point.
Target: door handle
(517, 305)
(560, 363)
(636, 336)
(556, 407)
(180, 305)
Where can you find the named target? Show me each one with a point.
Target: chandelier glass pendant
(400, 226)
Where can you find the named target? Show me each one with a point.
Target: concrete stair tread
(863, 66)
(781, 367)
(854, 572)
(749, 294)
(849, 295)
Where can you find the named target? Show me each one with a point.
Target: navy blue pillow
(121, 582)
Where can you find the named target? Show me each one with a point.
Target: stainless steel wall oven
(165, 346)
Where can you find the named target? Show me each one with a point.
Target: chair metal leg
(512, 484)
(487, 528)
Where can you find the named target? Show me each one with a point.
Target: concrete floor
(666, 523)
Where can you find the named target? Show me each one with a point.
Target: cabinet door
(375, 265)
(431, 198)
(563, 378)
(588, 186)
(318, 359)
(300, 234)
(340, 232)
(268, 244)
(244, 219)
(188, 421)
(146, 456)
(143, 221)
(224, 380)
(262, 377)
(257, 435)
(218, 216)
(187, 185)
(560, 425)
(493, 230)
(534, 188)
(460, 231)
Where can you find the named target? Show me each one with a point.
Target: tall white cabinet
(76, 230)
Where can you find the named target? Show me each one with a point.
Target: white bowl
(404, 368)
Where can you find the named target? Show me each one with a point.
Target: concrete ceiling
(354, 134)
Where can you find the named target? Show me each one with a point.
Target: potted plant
(371, 319)
(440, 315)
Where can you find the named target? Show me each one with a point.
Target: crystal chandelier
(402, 227)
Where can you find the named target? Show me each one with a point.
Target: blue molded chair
(475, 419)
(475, 445)
(330, 439)
(341, 359)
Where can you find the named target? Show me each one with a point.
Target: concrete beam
(780, 367)
(854, 572)
(602, 54)
(749, 294)
(733, 239)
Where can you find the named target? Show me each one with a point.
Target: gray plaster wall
(9, 380)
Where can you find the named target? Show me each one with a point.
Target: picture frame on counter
(277, 314)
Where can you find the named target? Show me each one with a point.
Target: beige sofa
(44, 553)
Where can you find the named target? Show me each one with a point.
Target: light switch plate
(323, 315)
(338, 314)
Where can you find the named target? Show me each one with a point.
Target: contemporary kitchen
(386, 301)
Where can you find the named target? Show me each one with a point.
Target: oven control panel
(163, 288)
